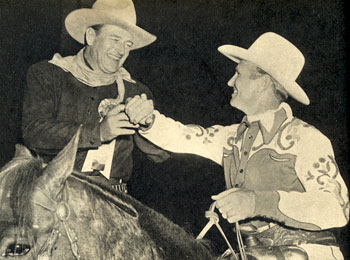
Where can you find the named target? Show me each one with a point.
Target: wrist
(148, 124)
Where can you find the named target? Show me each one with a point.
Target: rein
(62, 213)
(214, 220)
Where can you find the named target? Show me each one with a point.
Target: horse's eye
(15, 250)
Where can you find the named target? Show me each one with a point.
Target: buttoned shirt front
(288, 163)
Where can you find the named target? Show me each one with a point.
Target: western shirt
(288, 163)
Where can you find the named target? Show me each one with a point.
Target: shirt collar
(269, 121)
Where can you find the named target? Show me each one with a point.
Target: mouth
(114, 57)
(235, 91)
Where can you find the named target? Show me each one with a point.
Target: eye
(15, 250)
(129, 44)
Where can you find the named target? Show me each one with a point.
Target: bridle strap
(62, 213)
(214, 220)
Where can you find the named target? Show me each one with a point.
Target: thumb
(128, 100)
(224, 193)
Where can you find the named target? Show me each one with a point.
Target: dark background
(188, 78)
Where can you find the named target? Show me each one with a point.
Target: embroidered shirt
(288, 163)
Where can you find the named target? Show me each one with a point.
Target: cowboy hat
(276, 56)
(115, 12)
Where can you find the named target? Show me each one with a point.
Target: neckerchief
(77, 66)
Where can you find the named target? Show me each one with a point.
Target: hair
(20, 177)
(278, 89)
(97, 28)
(22, 174)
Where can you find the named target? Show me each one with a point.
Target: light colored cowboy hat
(276, 56)
(115, 12)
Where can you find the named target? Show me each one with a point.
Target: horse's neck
(104, 228)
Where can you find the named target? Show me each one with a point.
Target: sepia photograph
(174, 129)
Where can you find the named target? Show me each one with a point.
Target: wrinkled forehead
(246, 66)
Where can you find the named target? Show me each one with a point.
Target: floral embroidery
(328, 170)
(310, 176)
(199, 131)
(288, 136)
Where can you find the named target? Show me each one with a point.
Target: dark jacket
(56, 104)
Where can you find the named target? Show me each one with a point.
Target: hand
(235, 204)
(116, 123)
(140, 110)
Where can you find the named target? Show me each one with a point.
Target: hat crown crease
(122, 9)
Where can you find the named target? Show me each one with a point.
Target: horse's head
(48, 213)
(31, 199)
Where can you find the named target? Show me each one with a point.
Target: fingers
(119, 117)
(123, 131)
(126, 124)
(143, 112)
(139, 108)
(134, 100)
(116, 110)
(224, 193)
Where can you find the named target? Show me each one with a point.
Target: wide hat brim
(237, 54)
(79, 20)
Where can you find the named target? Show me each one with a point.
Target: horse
(52, 212)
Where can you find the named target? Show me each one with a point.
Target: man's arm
(324, 203)
(176, 137)
(42, 131)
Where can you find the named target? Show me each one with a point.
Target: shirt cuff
(146, 130)
(266, 204)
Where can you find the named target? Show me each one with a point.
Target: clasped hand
(235, 204)
(124, 119)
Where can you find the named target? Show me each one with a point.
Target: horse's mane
(19, 178)
(174, 241)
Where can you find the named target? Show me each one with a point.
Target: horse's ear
(58, 170)
(22, 152)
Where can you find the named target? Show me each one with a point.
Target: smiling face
(245, 84)
(108, 48)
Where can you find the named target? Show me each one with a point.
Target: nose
(232, 80)
(121, 48)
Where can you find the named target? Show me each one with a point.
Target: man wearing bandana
(282, 180)
(89, 90)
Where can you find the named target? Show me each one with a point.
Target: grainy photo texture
(173, 129)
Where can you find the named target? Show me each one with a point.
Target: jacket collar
(269, 122)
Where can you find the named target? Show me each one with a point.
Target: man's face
(245, 86)
(111, 46)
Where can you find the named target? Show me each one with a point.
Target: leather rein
(61, 210)
(214, 220)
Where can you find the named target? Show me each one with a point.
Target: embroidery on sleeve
(328, 170)
(196, 131)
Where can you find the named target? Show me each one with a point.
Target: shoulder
(303, 135)
(136, 88)
(44, 69)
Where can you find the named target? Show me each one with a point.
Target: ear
(264, 83)
(90, 36)
(59, 169)
(22, 152)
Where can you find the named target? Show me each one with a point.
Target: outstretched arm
(176, 137)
